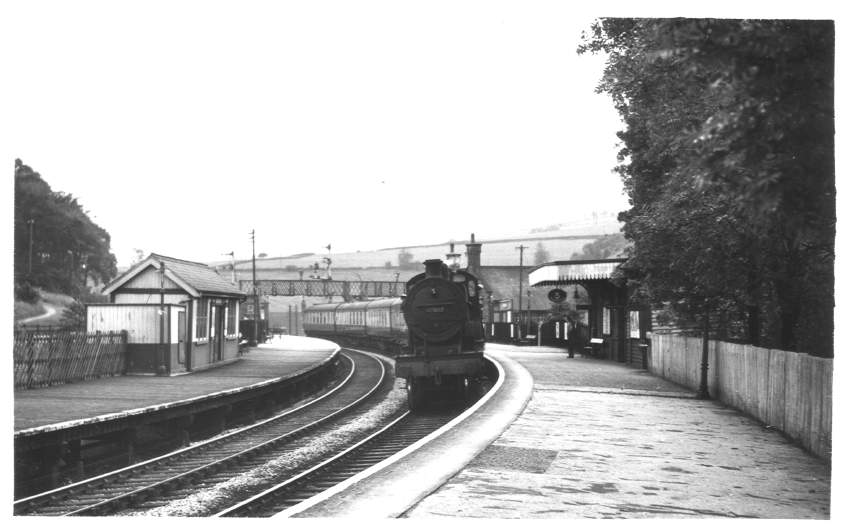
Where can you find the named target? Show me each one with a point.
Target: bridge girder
(348, 290)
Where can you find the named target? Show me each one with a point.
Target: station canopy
(564, 272)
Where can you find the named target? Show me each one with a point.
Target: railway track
(157, 480)
(375, 448)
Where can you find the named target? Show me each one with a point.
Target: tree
(67, 247)
(728, 161)
(607, 246)
(405, 261)
(139, 256)
(74, 316)
(541, 255)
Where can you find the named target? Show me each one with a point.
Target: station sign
(248, 309)
(557, 295)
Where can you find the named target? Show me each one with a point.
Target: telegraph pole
(30, 222)
(256, 294)
(519, 313)
(162, 354)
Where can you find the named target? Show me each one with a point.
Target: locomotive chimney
(473, 256)
(436, 268)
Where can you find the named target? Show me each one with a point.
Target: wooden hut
(179, 315)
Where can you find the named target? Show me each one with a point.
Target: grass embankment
(58, 301)
(25, 309)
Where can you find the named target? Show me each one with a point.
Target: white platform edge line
(162, 406)
(312, 501)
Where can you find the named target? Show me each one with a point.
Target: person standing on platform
(573, 339)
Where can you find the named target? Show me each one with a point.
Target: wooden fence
(45, 358)
(789, 391)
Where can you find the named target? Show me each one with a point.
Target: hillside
(47, 311)
(558, 241)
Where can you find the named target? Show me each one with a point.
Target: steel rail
(42, 499)
(258, 498)
(295, 486)
(391, 439)
(390, 460)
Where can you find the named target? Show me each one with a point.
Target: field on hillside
(492, 254)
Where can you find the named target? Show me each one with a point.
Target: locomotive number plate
(438, 309)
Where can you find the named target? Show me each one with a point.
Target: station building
(577, 304)
(609, 325)
(179, 316)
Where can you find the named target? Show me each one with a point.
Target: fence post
(30, 353)
(123, 351)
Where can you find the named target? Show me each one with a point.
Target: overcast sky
(182, 126)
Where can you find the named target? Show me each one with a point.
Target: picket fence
(789, 391)
(51, 357)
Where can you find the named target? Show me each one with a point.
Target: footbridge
(348, 290)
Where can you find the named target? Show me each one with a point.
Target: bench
(593, 349)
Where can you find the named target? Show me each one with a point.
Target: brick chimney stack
(473, 256)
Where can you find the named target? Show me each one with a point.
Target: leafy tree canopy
(607, 246)
(541, 254)
(728, 161)
(68, 248)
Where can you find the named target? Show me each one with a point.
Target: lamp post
(256, 294)
(702, 392)
(70, 267)
(84, 264)
(519, 312)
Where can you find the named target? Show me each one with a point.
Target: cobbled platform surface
(602, 440)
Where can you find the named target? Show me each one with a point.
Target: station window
(606, 320)
(634, 324)
(201, 318)
(231, 317)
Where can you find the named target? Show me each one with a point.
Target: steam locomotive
(435, 330)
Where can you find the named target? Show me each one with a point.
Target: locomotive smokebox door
(435, 310)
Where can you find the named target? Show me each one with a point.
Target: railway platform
(588, 438)
(85, 402)
(59, 430)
